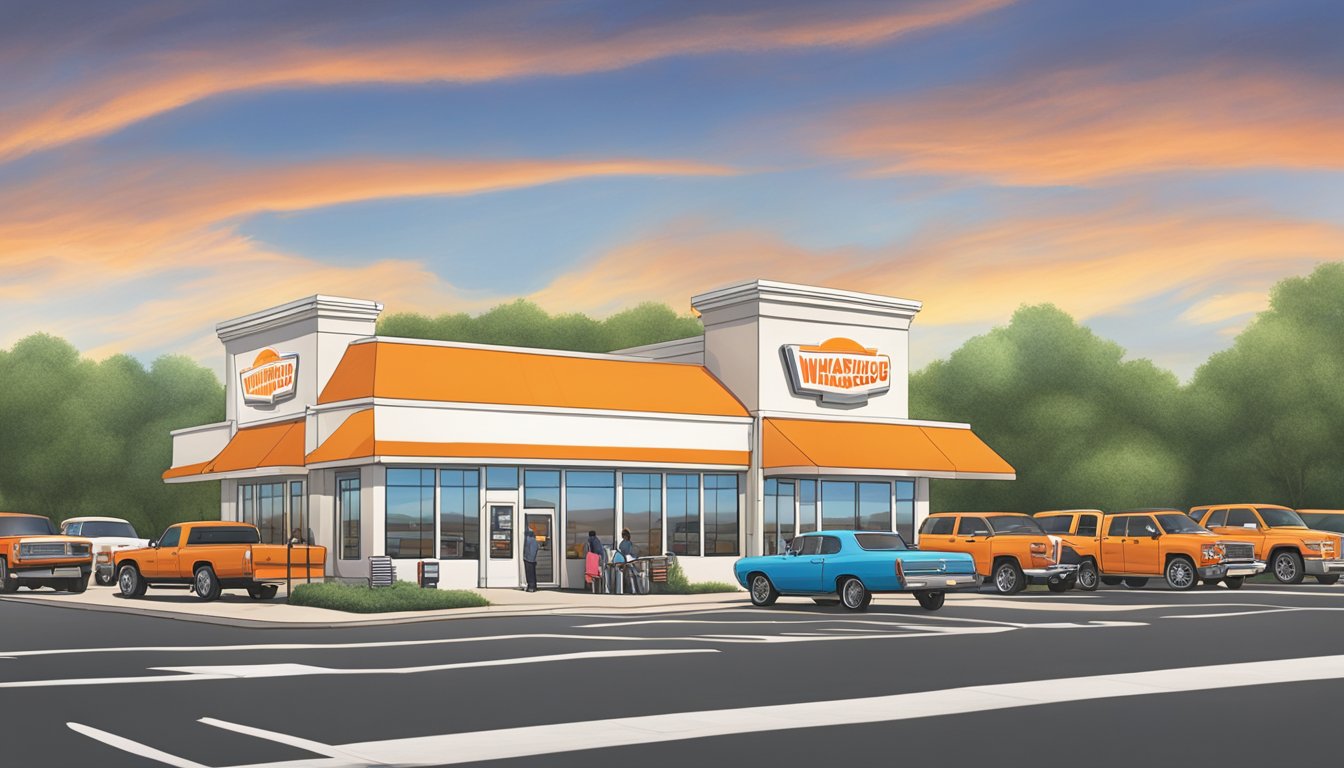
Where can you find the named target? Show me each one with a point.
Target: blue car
(849, 567)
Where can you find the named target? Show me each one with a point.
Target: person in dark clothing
(596, 562)
(530, 548)
(629, 552)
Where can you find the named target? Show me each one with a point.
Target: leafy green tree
(524, 324)
(1082, 426)
(1267, 416)
(85, 438)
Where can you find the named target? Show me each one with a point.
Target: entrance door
(543, 525)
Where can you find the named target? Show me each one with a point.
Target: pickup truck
(210, 556)
(1280, 537)
(1132, 547)
(107, 534)
(33, 555)
(1009, 548)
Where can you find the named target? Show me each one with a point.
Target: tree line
(1084, 427)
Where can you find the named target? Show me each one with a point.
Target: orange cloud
(1090, 265)
(153, 83)
(1084, 127)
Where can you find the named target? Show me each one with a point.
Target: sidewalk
(237, 608)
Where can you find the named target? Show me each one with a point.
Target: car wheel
(1088, 578)
(1008, 578)
(826, 600)
(853, 595)
(931, 601)
(206, 584)
(1328, 580)
(1181, 574)
(1234, 582)
(77, 585)
(763, 593)
(8, 586)
(1111, 581)
(263, 592)
(100, 580)
(1288, 567)
(1134, 583)
(129, 581)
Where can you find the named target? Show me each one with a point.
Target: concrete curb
(487, 612)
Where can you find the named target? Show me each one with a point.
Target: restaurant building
(789, 414)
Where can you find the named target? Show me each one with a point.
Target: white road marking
(536, 740)
(252, 671)
(134, 747)
(1267, 609)
(316, 747)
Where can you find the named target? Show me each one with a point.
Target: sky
(1153, 168)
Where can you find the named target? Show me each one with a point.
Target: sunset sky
(1151, 167)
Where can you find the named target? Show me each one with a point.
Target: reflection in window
(778, 515)
(410, 513)
(837, 506)
(590, 505)
(459, 514)
(642, 511)
(721, 510)
(541, 489)
(683, 514)
(270, 501)
(905, 509)
(807, 505)
(347, 511)
(501, 478)
(874, 512)
(298, 513)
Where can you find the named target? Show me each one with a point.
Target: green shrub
(402, 596)
(678, 584)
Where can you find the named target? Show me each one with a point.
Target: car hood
(104, 543)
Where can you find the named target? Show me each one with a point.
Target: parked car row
(1065, 549)
(205, 557)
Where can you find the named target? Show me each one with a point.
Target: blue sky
(1151, 167)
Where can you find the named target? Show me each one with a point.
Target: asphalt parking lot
(1101, 678)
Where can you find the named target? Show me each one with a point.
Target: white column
(921, 503)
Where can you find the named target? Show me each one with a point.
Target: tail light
(900, 572)
(247, 560)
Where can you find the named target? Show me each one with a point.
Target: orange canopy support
(851, 445)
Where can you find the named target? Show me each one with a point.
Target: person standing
(530, 549)
(595, 562)
(630, 552)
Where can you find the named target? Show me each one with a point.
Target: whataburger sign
(837, 371)
(272, 378)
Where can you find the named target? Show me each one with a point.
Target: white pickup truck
(108, 534)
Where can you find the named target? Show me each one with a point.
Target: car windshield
(1019, 525)
(1333, 523)
(93, 529)
(1178, 523)
(1055, 523)
(880, 541)
(25, 525)
(1277, 517)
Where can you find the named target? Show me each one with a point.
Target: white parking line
(530, 741)
(251, 671)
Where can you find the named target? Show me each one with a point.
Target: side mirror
(1156, 536)
(153, 543)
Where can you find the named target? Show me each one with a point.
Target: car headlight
(104, 557)
(1320, 546)
(1212, 552)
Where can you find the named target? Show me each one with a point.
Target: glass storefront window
(541, 489)
(683, 514)
(347, 509)
(590, 505)
(410, 513)
(721, 513)
(642, 511)
(837, 506)
(807, 505)
(298, 512)
(501, 478)
(270, 500)
(778, 515)
(874, 507)
(459, 514)
(905, 509)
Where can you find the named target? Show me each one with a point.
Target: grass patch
(401, 596)
(678, 584)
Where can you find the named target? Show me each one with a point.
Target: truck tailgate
(268, 561)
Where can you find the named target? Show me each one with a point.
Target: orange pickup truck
(1135, 546)
(208, 557)
(33, 555)
(1281, 538)
(1009, 548)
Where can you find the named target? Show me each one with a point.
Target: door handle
(969, 541)
(818, 560)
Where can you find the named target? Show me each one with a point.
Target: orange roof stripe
(352, 440)
(861, 445)
(408, 371)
